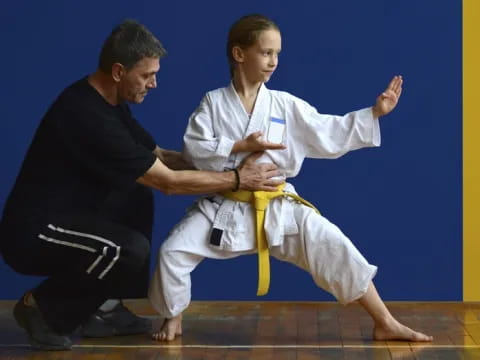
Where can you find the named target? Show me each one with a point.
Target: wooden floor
(274, 330)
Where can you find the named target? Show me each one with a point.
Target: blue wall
(400, 204)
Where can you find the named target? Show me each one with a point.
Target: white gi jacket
(221, 120)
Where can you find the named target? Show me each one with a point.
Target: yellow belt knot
(260, 200)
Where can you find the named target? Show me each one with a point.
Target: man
(81, 209)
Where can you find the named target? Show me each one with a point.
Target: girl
(247, 117)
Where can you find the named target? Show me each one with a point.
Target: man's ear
(118, 70)
(238, 55)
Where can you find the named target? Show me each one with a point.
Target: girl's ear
(238, 54)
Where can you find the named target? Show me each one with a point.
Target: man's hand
(387, 100)
(254, 142)
(255, 176)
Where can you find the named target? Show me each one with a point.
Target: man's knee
(134, 253)
(139, 252)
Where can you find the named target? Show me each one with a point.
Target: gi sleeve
(331, 136)
(203, 146)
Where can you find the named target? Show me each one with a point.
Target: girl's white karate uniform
(295, 233)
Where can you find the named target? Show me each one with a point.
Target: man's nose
(152, 84)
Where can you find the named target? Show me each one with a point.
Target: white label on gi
(276, 130)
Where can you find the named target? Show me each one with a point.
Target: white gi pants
(320, 248)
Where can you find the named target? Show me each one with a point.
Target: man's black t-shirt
(84, 159)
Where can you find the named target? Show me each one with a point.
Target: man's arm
(252, 177)
(172, 159)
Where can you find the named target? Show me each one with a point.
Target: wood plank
(299, 330)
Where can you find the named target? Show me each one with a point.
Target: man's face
(136, 82)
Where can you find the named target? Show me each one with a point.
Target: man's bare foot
(396, 331)
(170, 329)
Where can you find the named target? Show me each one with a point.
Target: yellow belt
(260, 200)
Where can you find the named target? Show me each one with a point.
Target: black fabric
(66, 250)
(86, 155)
(83, 163)
(216, 236)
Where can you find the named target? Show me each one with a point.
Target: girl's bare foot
(386, 326)
(170, 329)
(396, 331)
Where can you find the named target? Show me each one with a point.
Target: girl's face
(259, 61)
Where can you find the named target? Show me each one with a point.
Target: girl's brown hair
(245, 32)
